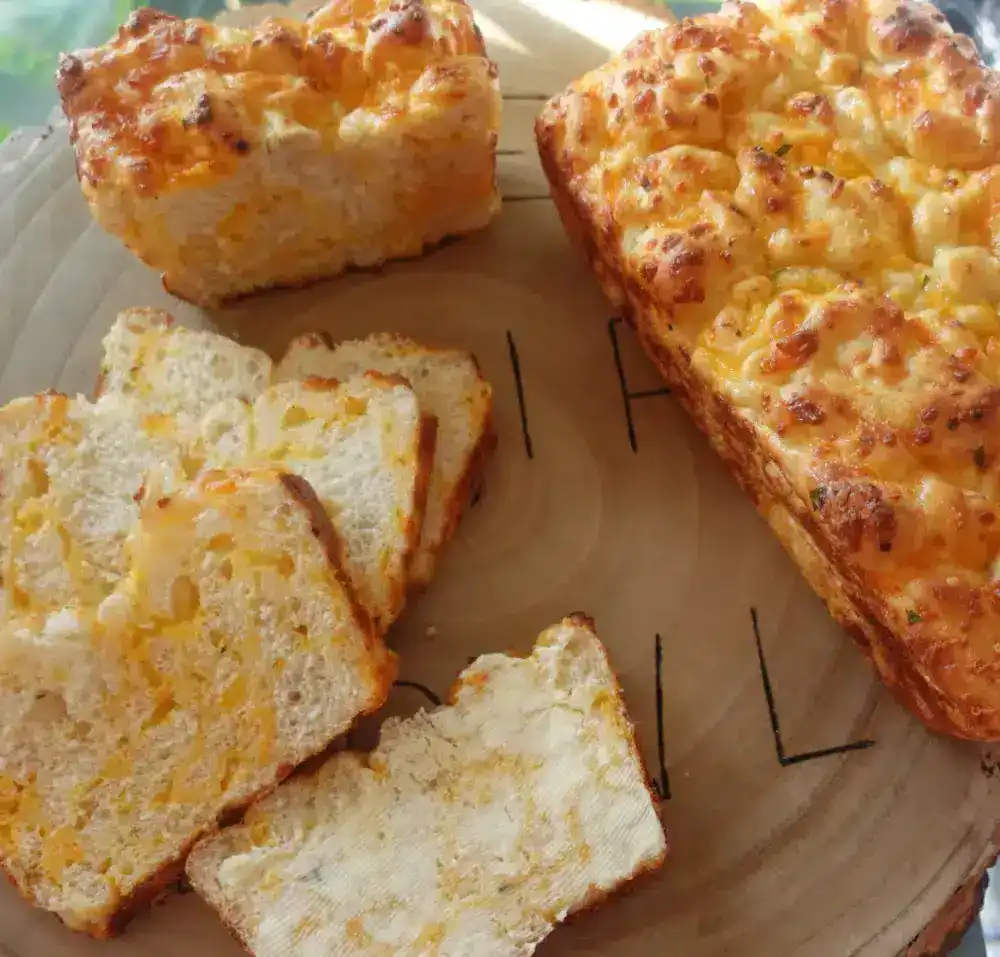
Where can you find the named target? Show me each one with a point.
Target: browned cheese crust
(796, 205)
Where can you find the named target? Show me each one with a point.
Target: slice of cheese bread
(232, 650)
(367, 449)
(71, 471)
(172, 370)
(450, 387)
(473, 829)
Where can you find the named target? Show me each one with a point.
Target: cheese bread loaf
(232, 650)
(231, 160)
(472, 829)
(795, 204)
(449, 386)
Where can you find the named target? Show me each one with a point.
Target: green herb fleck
(926, 282)
(979, 457)
(818, 496)
(783, 149)
(912, 617)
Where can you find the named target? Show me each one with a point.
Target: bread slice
(71, 470)
(172, 370)
(450, 387)
(473, 829)
(366, 447)
(239, 159)
(231, 651)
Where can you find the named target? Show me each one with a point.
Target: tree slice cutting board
(809, 815)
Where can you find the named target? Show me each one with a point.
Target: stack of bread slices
(198, 569)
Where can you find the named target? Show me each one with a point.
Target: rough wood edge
(952, 922)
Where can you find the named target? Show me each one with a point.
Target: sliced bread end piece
(449, 386)
(231, 652)
(365, 445)
(494, 818)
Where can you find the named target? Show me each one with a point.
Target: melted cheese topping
(171, 103)
(804, 194)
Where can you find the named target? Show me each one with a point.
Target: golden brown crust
(829, 371)
(322, 527)
(464, 492)
(427, 445)
(170, 874)
(163, 880)
(337, 55)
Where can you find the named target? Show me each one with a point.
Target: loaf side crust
(827, 568)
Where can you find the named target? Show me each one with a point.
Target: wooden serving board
(809, 815)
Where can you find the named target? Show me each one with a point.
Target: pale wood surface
(851, 854)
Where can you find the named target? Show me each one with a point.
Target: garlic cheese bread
(233, 160)
(472, 829)
(795, 204)
(231, 651)
(449, 386)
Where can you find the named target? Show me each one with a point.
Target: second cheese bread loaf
(794, 203)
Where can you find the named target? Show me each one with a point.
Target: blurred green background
(34, 32)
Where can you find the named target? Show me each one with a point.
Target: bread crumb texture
(229, 652)
(359, 444)
(234, 159)
(798, 198)
(449, 386)
(196, 568)
(472, 829)
(72, 473)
